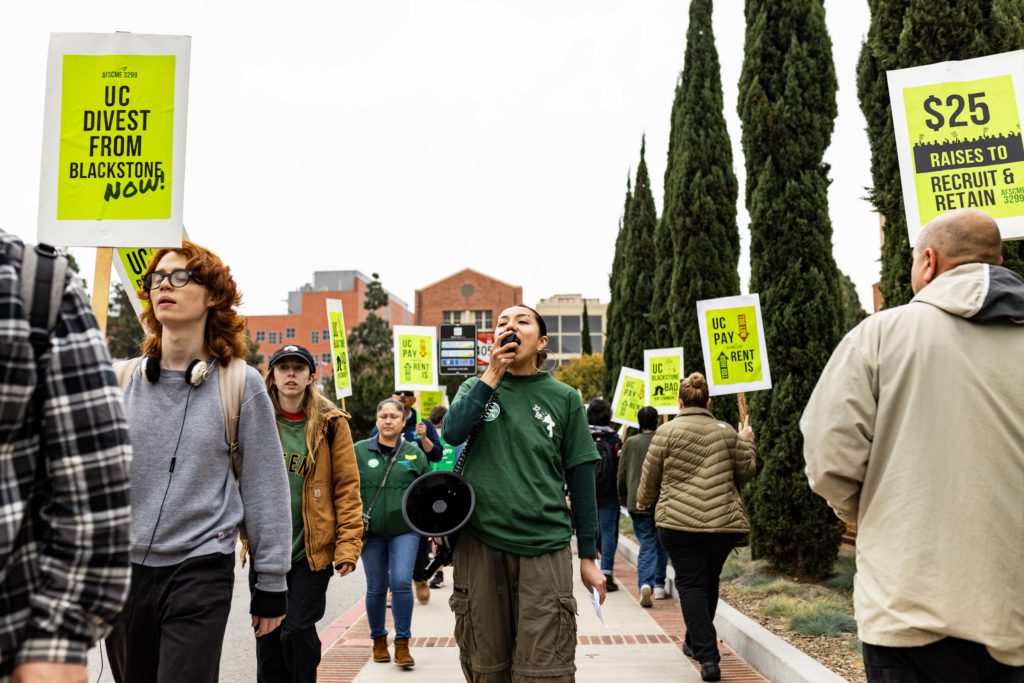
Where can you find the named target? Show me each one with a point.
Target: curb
(773, 657)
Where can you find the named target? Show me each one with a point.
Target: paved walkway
(643, 642)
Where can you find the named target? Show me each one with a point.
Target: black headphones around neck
(197, 372)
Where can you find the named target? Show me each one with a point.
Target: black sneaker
(437, 581)
(709, 671)
(610, 586)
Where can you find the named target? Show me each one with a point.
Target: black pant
(172, 627)
(949, 659)
(697, 559)
(291, 653)
(419, 569)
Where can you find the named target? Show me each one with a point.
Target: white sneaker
(659, 593)
(645, 596)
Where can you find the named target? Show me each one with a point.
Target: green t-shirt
(535, 431)
(448, 457)
(293, 441)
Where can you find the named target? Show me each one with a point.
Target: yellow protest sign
(735, 357)
(131, 265)
(958, 135)
(339, 349)
(630, 396)
(664, 368)
(427, 401)
(113, 143)
(116, 137)
(415, 358)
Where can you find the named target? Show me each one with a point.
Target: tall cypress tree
(701, 215)
(666, 238)
(906, 33)
(613, 332)
(641, 222)
(788, 106)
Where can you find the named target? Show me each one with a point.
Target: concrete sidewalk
(640, 642)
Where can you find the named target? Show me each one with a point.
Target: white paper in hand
(596, 600)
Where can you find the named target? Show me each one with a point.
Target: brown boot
(380, 649)
(422, 591)
(402, 656)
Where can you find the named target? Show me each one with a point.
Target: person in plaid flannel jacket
(64, 464)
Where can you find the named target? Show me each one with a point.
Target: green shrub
(822, 621)
(843, 572)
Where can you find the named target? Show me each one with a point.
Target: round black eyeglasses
(178, 278)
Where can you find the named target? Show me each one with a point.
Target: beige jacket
(698, 465)
(915, 433)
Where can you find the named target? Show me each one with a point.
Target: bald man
(915, 431)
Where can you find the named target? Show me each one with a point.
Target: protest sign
(131, 264)
(339, 349)
(732, 338)
(630, 396)
(113, 162)
(958, 139)
(664, 368)
(428, 400)
(415, 358)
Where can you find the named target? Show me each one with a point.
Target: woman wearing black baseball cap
(326, 511)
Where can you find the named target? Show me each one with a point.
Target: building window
(484, 320)
(451, 317)
(597, 343)
(290, 333)
(314, 337)
(594, 321)
(326, 358)
(570, 343)
(570, 323)
(325, 335)
(273, 338)
(261, 335)
(553, 344)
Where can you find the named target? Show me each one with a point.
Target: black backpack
(43, 270)
(607, 466)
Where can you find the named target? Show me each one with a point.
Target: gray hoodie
(203, 505)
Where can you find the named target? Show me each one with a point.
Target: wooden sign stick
(101, 286)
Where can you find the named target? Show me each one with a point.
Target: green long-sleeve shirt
(532, 442)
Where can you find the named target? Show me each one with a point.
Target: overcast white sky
(415, 139)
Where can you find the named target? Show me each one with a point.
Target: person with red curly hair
(187, 503)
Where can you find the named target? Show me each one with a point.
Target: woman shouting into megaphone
(513, 588)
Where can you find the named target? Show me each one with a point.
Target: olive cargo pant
(515, 616)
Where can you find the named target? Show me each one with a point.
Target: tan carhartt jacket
(698, 465)
(915, 432)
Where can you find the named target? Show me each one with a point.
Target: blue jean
(388, 560)
(608, 529)
(653, 559)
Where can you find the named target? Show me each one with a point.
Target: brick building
(466, 297)
(305, 323)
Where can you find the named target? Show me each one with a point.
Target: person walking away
(326, 512)
(445, 464)
(515, 614)
(599, 417)
(696, 467)
(388, 465)
(65, 459)
(188, 501)
(652, 560)
(913, 433)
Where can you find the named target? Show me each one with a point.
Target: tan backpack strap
(123, 370)
(232, 390)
